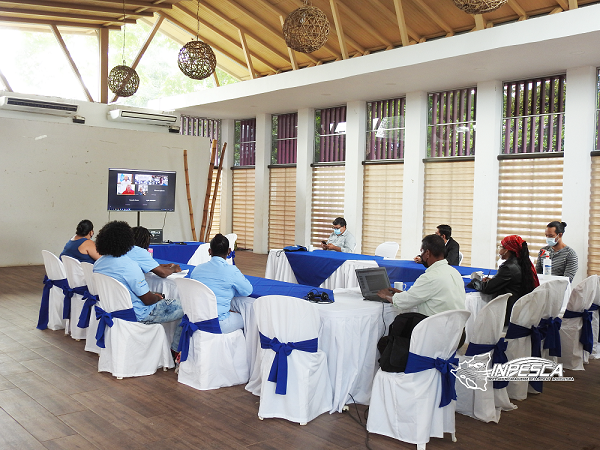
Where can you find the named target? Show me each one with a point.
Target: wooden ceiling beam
(433, 16)
(291, 52)
(158, 5)
(63, 15)
(573, 4)
(247, 54)
(363, 23)
(518, 9)
(339, 28)
(391, 17)
(5, 81)
(563, 4)
(77, 7)
(103, 63)
(401, 22)
(479, 22)
(229, 39)
(65, 50)
(58, 23)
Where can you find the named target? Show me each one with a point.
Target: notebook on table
(372, 280)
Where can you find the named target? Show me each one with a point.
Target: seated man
(341, 240)
(114, 240)
(440, 288)
(451, 248)
(225, 280)
(140, 254)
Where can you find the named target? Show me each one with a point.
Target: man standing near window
(341, 240)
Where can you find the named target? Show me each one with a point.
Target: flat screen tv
(141, 190)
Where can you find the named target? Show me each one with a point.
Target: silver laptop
(371, 281)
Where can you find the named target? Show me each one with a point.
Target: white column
(261, 188)
(305, 156)
(488, 140)
(580, 117)
(415, 149)
(227, 135)
(356, 117)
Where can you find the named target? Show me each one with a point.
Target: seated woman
(81, 247)
(516, 276)
(564, 258)
(140, 254)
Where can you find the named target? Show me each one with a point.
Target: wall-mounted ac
(37, 106)
(121, 115)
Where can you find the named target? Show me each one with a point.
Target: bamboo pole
(213, 156)
(214, 198)
(189, 197)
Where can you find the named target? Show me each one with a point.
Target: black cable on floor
(359, 421)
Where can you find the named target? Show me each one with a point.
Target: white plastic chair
(405, 406)
(309, 392)
(214, 360)
(487, 330)
(460, 258)
(582, 297)
(387, 250)
(133, 349)
(231, 237)
(75, 278)
(90, 338)
(55, 271)
(201, 255)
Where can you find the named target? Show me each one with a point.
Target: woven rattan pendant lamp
(197, 59)
(123, 80)
(479, 6)
(306, 29)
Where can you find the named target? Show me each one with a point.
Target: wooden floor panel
(52, 397)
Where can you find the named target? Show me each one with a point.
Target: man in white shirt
(441, 288)
(340, 240)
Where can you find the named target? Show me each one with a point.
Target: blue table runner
(179, 253)
(264, 286)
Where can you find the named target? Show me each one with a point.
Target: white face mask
(337, 231)
(551, 241)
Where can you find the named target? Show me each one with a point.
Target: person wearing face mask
(440, 288)
(564, 258)
(516, 275)
(340, 240)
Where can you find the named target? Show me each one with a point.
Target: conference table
(177, 252)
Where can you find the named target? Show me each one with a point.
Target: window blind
(594, 238)
(529, 197)
(382, 205)
(243, 207)
(327, 201)
(282, 207)
(449, 200)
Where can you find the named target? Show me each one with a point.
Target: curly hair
(115, 239)
(141, 237)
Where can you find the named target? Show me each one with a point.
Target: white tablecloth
(278, 268)
(349, 333)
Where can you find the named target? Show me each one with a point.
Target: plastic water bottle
(151, 251)
(547, 264)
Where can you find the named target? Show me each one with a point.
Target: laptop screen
(372, 280)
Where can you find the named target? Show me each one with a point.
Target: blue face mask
(337, 231)
(551, 241)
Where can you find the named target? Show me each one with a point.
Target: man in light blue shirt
(114, 241)
(341, 240)
(140, 254)
(225, 280)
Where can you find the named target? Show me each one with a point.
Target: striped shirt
(564, 261)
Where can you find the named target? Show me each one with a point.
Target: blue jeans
(233, 322)
(167, 310)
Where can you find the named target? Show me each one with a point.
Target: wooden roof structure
(247, 34)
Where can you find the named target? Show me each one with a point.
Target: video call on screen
(136, 190)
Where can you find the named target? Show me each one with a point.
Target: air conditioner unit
(121, 115)
(37, 106)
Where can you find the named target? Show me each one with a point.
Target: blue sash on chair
(515, 331)
(44, 307)
(498, 356)
(106, 319)
(189, 328)
(81, 290)
(587, 336)
(232, 256)
(279, 368)
(550, 331)
(593, 308)
(417, 363)
(89, 301)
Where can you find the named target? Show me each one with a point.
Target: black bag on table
(394, 347)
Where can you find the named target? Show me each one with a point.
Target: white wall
(55, 174)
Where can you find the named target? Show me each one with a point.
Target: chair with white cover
(460, 258)
(131, 348)
(596, 325)
(201, 255)
(53, 297)
(415, 405)
(387, 250)
(556, 294)
(90, 338)
(577, 324)
(296, 387)
(231, 237)
(77, 284)
(524, 320)
(486, 405)
(209, 359)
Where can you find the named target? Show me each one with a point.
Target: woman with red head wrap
(516, 276)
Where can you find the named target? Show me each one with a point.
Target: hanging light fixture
(479, 6)
(197, 59)
(123, 80)
(306, 29)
